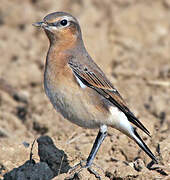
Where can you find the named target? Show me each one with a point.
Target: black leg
(99, 139)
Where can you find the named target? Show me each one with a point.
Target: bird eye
(63, 22)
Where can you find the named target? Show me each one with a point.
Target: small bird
(79, 89)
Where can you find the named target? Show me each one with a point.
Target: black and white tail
(143, 146)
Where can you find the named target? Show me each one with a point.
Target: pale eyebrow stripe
(67, 18)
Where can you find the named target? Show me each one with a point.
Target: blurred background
(128, 39)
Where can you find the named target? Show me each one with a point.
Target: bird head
(60, 26)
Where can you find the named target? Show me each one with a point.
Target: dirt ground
(130, 41)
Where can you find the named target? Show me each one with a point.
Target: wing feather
(97, 81)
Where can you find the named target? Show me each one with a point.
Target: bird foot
(92, 171)
(79, 166)
(75, 170)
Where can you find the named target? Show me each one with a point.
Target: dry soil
(130, 41)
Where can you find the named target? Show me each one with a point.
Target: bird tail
(143, 146)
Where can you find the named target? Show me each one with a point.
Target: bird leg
(98, 141)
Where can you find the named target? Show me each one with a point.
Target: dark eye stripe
(52, 24)
(64, 22)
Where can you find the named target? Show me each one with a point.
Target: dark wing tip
(135, 121)
(131, 117)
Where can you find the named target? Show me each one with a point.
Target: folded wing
(95, 79)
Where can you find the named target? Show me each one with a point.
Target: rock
(30, 170)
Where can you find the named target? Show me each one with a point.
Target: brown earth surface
(130, 41)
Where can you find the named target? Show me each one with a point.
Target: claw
(92, 171)
(80, 166)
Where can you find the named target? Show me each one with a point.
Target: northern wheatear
(78, 88)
